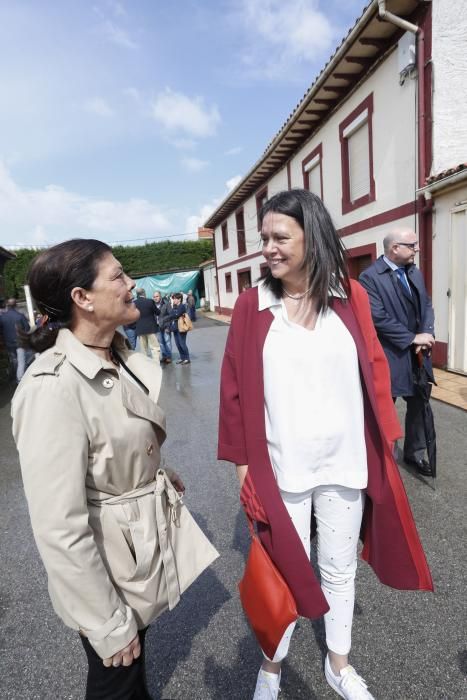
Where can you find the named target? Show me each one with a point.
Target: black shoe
(186, 362)
(179, 362)
(421, 465)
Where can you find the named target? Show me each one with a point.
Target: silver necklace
(295, 297)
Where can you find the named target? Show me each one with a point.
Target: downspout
(414, 29)
(419, 33)
(217, 272)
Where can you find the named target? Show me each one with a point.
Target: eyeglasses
(412, 246)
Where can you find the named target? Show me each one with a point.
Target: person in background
(404, 320)
(312, 436)
(12, 321)
(146, 325)
(178, 309)
(130, 332)
(191, 305)
(163, 309)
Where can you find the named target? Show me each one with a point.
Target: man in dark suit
(404, 320)
(146, 325)
(12, 321)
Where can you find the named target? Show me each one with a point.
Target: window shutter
(359, 162)
(314, 180)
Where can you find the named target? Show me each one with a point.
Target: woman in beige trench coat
(89, 431)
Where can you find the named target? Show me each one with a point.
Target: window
(312, 170)
(225, 236)
(261, 198)
(244, 279)
(358, 259)
(356, 136)
(263, 270)
(240, 222)
(228, 282)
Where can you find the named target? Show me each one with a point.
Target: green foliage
(163, 256)
(136, 260)
(15, 271)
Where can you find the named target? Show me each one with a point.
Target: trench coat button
(150, 449)
(108, 383)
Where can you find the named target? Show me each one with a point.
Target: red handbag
(265, 596)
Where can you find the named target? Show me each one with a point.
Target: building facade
(363, 139)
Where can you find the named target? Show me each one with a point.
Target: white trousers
(338, 511)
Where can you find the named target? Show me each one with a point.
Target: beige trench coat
(89, 443)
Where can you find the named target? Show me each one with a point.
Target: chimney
(205, 232)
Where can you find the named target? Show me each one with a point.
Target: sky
(131, 121)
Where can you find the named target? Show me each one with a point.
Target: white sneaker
(348, 684)
(267, 686)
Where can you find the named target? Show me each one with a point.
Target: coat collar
(382, 265)
(81, 357)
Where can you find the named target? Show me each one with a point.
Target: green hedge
(136, 260)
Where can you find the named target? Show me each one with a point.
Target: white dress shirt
(313, 401)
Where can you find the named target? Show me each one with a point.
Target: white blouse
(313, 402)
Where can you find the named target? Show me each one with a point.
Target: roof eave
(280, 152)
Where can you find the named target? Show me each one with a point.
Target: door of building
(244, 280)
(457, 347)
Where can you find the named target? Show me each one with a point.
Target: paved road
(409, 646)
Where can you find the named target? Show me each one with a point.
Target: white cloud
(117, 35)
(178, 112)
(233, 151)
(194, 221)
(99, 106)
(183, 144)
(117, 8)
(133, 93)
(194, 165)
(283, 35)
(53, 213)
(233, 182)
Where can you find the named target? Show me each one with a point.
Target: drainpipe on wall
(217, 272)
(423, 228)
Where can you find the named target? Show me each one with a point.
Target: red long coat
(390, 540)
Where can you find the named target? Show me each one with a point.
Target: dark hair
(52, 276)
(324, 251)
(177, 295)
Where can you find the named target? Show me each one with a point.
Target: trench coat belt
(143, 506)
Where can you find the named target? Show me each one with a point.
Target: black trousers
(415, 439)
(121, 683)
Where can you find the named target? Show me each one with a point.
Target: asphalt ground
(408, 646)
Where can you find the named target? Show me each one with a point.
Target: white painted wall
(394, 145)
(210, 286)
(444, 203)
(450, 84)
(394, 167)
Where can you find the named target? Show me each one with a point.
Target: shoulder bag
(184, 323)
(265, 596)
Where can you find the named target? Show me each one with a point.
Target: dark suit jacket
(389, 312)
(146, 324)
(10, 322)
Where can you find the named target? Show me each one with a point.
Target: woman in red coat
(306, 415)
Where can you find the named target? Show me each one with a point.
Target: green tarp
(170, 282)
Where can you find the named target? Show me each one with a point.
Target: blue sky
(131, 120)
